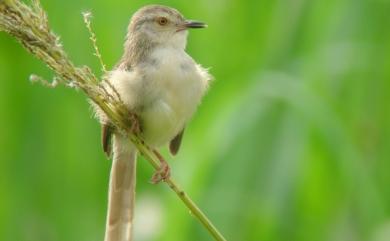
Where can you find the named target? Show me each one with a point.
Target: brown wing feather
(174, 145)
(107, 131)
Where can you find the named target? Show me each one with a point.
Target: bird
(158, 81)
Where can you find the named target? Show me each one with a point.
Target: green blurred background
(292, 141)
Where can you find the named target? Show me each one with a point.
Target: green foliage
(291, 143)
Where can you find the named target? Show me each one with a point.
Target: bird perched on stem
(162, 85)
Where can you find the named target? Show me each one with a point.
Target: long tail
(121, 197)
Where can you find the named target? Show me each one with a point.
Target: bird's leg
(135, 125)
(164, 172)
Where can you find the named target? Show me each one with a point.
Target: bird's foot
(164, 171)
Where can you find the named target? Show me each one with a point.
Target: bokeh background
(292, 142)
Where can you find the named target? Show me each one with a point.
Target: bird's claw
(162, 174)
(164, 171)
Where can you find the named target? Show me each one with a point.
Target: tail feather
(121, 196)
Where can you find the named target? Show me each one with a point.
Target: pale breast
(174, 86)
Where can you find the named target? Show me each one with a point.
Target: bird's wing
(174, 145)
(107, 131)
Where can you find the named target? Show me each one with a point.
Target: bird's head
(161, 25)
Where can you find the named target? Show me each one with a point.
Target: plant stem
(195, 210)
(191, 205)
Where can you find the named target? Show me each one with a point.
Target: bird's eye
(162, 21)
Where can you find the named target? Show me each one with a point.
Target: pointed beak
(194, 24)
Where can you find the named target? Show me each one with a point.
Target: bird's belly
(173, 89)
(171, 107)
(160, 123)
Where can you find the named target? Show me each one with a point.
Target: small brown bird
(159, 82)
